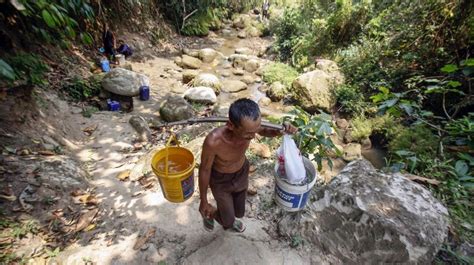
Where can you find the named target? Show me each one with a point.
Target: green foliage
(6, 71)
(200, 23)
(461, 131)
(280, 72)
(350, 99)
(363, 127)
(58, 20)
(18, 229)
(414, 141)
(313, 137)
(81, 89)
(28, 68)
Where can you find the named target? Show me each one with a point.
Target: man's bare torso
(229, 153)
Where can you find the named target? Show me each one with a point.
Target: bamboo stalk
(214, 119)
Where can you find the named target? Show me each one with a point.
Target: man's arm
(207, 159)
(288, 128)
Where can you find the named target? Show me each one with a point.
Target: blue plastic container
(113, 105)
(144, 93)
(105, 65)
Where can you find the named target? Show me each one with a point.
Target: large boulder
(124, 82)
(233, 86)
(331, 68)
(367, 217)
(207, 55)
(190, 62)
(243, 50)
(314, 90)
(251, 65)
(238, 60)
(208, 80)
(204, 95)
(176, 108)
(277, 91)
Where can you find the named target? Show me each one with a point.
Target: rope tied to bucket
(168, 144)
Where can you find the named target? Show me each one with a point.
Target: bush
(350, 99)
(28, 68)
(417, 139)
(81, 89)
(363, 127)
(281, 72)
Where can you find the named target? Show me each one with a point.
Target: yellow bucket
(177, 184)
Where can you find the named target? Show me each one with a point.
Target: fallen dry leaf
(87, 199)
(143, 239)
(260, 149)
(122, 176)
(90, 227)
(85, 220)
(422, 179)
(46, 153)
(90, 129)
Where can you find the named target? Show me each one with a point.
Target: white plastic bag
(290, 162)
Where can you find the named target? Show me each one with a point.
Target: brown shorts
(229, 191)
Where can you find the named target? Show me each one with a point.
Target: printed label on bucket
(287, 199)
(188, 186)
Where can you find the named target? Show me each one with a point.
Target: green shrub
(417, 139)
(281, 72)
(350, 99)
(361, 128)
(81, 89)
(29, 68)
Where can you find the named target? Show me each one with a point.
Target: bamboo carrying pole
(215, 119)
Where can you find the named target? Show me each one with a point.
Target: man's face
(247, 129)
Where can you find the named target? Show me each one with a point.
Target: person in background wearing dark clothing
(124, 49)
(109, 42)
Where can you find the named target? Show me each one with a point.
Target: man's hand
(289, 128)
(206, 210)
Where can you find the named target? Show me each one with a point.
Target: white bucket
(290, 197)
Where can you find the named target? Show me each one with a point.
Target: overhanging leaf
(6, 70)
(48, 18)
(454, 84)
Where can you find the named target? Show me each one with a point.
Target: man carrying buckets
(224, 167)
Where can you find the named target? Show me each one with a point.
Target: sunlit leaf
(454, 84)
(449, 68)
(48, 18)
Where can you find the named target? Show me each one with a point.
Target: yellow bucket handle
(168, 143)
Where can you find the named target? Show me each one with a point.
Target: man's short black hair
(243, 108)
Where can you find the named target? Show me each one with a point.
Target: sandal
(238, 226)
(208, 224)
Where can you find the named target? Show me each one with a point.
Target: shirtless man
(224, 167)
